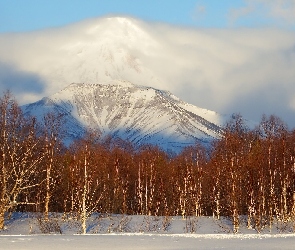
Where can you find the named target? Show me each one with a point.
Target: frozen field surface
(146, 241)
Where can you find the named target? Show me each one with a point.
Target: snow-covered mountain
(222, 70)
(141, 115)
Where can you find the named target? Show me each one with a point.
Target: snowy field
(27, 231)
(146, 241)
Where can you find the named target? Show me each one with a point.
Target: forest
(249, 172)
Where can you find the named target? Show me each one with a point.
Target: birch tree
(20, 153)
(88, 188)
(51, 127)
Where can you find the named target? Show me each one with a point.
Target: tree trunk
(47, 198)
(2, 213)
(218, 205)
(83, 221)
(84, 209)
(250, 210)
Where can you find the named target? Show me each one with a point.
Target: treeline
(247, 172)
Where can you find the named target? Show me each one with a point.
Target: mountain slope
(141, 115)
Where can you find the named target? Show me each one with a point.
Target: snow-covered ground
(29, 231)
(146, 241)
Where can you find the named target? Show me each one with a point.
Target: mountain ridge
(139, 114)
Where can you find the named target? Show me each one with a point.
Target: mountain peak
(123, 20)
(117, 26)
(121, 83)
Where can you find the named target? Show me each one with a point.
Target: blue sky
(28, 15)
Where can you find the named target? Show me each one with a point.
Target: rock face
(141, 115)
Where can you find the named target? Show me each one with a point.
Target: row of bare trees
(255, 173)
(247, 172)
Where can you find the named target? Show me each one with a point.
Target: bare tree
(51, 127)
(20, 155)
(88, 188)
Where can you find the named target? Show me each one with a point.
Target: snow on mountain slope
(141, 115)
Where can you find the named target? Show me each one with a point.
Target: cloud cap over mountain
(250, 71)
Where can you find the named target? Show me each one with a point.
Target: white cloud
(284, 9)
(235, 14)
(247, 70)
(199, 11)
(280, 12)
